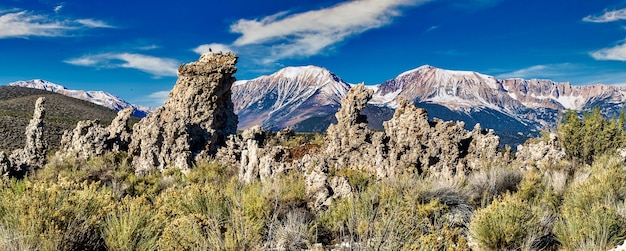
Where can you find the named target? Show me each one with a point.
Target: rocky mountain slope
(288, 97)
(97, 97)
(515, 108)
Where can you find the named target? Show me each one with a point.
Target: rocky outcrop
(409, 143)
(536, 154)
(33, 155)
(195, 120)
(90, 139)
(349, 142)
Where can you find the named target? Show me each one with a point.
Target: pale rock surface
(532, 155)
(194, 122)
(410, 143)
(33, 155)
(90, 139)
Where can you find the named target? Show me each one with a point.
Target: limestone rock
(195, 121)
(348, 142)
(33, 155)
(536, 154)
(90, 139)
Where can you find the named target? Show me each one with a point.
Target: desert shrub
(60, 215)
(292, 233)
(508, 223)
(133, 225)
(393, 215)
(197, 215)
(101, 168)
(210, 172)
(596, 227)
(484, 185)
(359, 180)
(192, 232)
(589, 214)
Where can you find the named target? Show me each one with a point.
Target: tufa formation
(33, 155)
(90, 139)
(409, 143)
(195, 120)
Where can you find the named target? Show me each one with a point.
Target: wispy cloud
(573, 73)
(298, 35)
(148, 47)
(432, 28)
(617, 53)
(59, 7)
(546, 71)
(212, 47)
(157, 98)
(92, 23)
(23, 24)
(158, 67)
(607, 16)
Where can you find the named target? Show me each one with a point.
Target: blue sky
(133, 48)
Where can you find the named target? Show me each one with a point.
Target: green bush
(60, 215)
(593, 135)
(133, 225)
(589, 216)
(506, 224)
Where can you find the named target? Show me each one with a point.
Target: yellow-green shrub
(508, 223)
(589, 218)
(60, 215)
(133, 225)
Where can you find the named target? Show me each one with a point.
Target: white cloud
(91, 23)
(154, 100)
(158, 67)
(158, 97)
(212, 47)
(292, 35)
(148, 47)
(617, 53)
(58, 8)
(24, 24)
(547, 71)
(607, 16)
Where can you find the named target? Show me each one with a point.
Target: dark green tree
(593, 135)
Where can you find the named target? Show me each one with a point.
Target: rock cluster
(90, 139)
(195, 120)
(409, 143)
(33, 155)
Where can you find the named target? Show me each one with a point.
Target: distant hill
(97, 97)
(62, 113)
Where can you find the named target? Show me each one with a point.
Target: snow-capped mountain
(528, 103)
(294, 95)
(288, 97)
(97, 97)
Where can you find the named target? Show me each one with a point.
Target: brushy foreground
(101, 204)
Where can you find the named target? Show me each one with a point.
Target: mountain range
(306, 98)
(97, 97)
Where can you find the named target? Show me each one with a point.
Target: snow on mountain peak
(97, 97)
